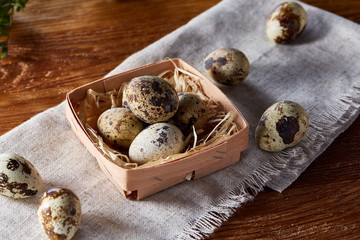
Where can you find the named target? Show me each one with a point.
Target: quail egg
(157, 140)
(59, 213)
(227, 65)
(282, 125)
(119, 126)
(18, 177)
(152, 99)
(192, 111)
(286, 22)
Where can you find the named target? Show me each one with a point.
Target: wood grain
(323, 203)
(56, 46)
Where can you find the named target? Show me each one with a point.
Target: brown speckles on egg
(13, 165)
(156, 87)
(18, 177)
(282, 125)
(47, 224)
(27, 192)
(286, 22)
(19, 189)
(209, 62)
(156, 141)
(59, 213)
(25, 168)
(124, 98)
(192, 121)
(163, 139)
(287, 127)
(227, 65)
(151, 98)
(192, 112)
(290, 23)
(279, 107)
(220, 61)
(119, 126)
(125, 104)
(3, 178)
(55, 192)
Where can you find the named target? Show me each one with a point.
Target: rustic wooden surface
(56, 46)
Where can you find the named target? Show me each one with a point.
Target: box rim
(178, 60)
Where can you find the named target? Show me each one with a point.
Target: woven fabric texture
(320, 70)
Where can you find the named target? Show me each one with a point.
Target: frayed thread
(323, 129)
(291, 162)
(226, 206)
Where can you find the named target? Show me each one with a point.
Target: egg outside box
(142, 182)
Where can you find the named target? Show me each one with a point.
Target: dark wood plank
(56, 46)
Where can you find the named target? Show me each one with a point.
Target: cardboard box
(142, 182)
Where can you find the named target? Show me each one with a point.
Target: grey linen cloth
(320, 70)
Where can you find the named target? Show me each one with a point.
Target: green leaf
(4, 32)
(3, 51)
(7, 8)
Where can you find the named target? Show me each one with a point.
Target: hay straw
(183, 81)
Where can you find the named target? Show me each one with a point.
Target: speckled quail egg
(157, 140)
(119, 126)
(59, 213)
(18, 177)
(192, 112)
(152, 99)
(282, 125)
(227, 65)
(286, 22)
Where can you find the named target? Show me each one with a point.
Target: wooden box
(143, 182)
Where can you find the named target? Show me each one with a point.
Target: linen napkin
(320, 70)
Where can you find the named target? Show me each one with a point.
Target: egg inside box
(142, 181)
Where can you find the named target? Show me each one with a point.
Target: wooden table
(56, 46)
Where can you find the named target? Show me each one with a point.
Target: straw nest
(220, 124)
